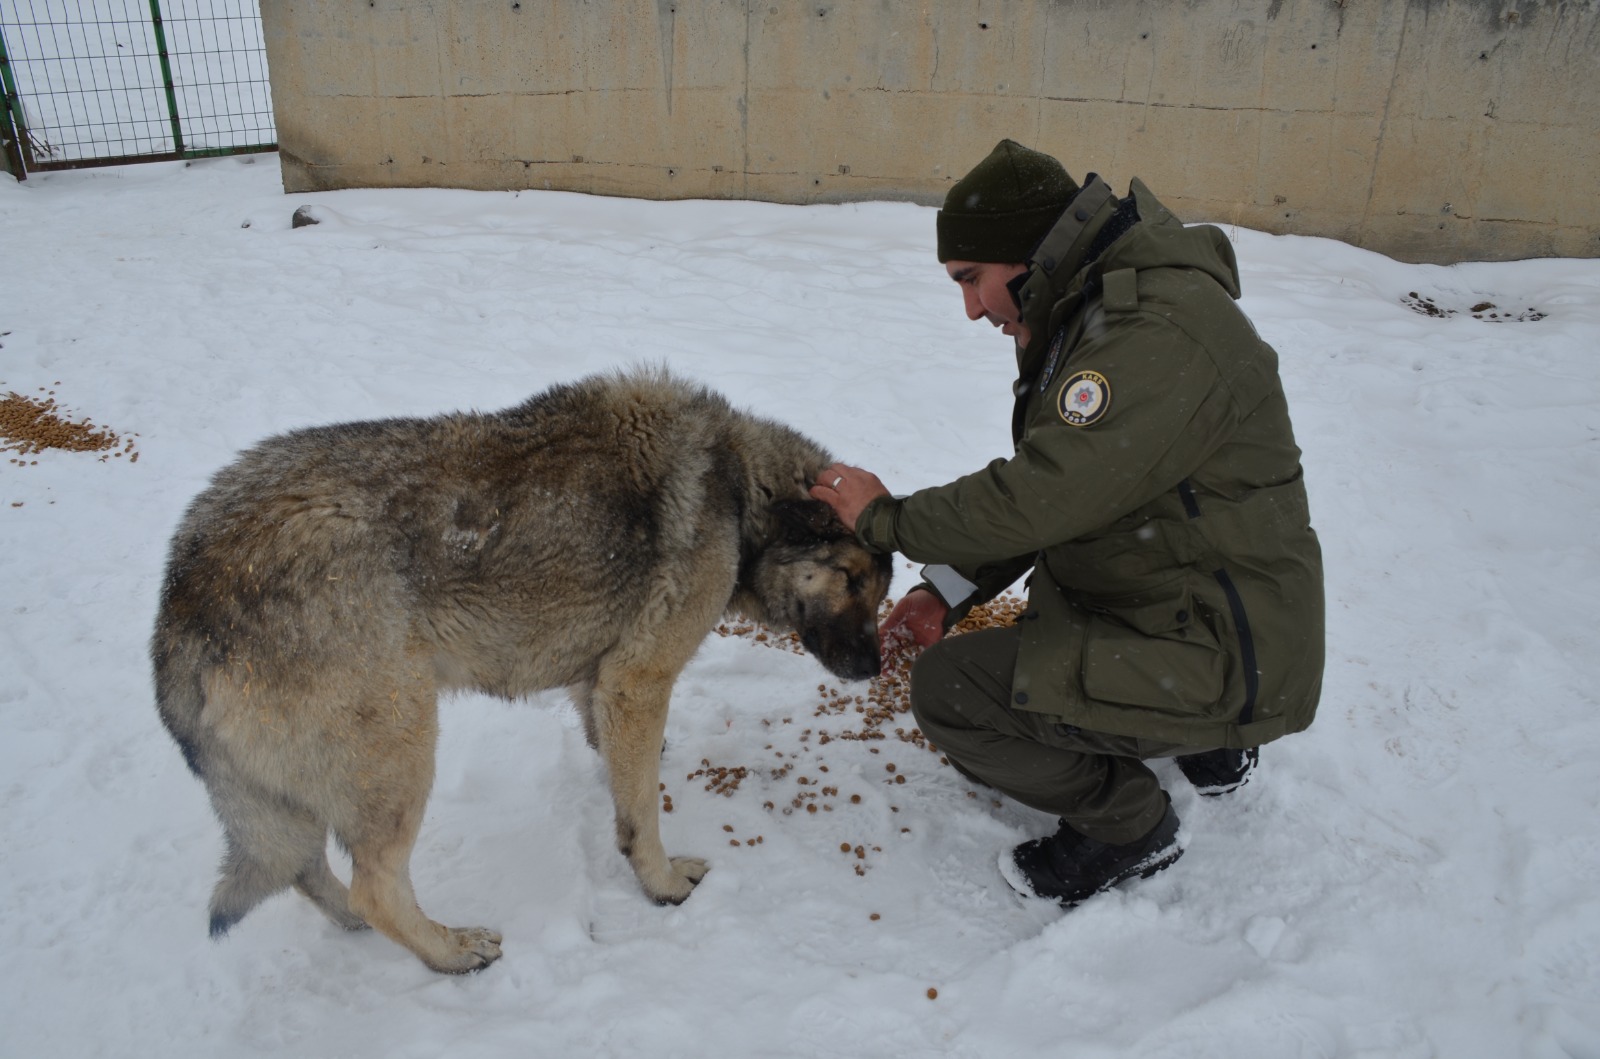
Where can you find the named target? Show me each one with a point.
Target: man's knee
(958, 681)
(933, 684)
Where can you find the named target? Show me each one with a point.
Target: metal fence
(103, 82)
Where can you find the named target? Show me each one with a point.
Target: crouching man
(1175, 601)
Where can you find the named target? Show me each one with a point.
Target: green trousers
(1097, 783)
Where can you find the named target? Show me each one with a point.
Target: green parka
(1155, 491)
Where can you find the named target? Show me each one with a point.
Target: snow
(1416, 875)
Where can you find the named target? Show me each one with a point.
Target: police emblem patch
(1084, 398)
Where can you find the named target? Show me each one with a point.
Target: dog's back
(467, 534)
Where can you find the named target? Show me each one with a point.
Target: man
(1175, 601)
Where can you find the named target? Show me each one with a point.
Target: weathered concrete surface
(1431, 130)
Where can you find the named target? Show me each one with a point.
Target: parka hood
(1160, 240)
(1153, 237)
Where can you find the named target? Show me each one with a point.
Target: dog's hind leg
(387, 816)
(382, 895)
(331, 896)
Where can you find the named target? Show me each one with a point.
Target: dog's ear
(803, 521)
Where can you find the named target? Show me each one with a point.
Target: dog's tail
(271, 844)
(180, 697)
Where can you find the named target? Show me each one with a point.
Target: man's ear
(801, 521)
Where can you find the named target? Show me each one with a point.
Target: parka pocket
(1184, 676)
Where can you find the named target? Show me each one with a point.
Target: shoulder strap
(1120, 291)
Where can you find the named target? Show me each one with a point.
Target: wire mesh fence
(96, 82)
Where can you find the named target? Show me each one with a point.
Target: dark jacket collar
(1090, 223)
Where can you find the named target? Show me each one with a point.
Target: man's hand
(918, 618)
(848, 490)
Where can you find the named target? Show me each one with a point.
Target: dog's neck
(767, 471)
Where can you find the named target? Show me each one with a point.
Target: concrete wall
(1431, 130)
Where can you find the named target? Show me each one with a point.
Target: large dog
(327, 586)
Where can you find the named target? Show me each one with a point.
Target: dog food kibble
(933, 994)
(30, 425)
(874, 917)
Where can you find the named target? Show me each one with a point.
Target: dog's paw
(692, 868)
(687, 873)
(475, 948)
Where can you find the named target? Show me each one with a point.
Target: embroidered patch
(1084, 398)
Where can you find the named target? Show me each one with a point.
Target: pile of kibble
(29, 425)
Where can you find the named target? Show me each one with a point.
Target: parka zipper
(1241, 619)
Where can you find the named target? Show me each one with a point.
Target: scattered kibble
(872, 718)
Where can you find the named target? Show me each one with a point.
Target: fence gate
(103, 82)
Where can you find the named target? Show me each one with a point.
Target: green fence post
(166, 74)
(11, 121)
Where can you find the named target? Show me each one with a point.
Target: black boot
(1217, 772)
(1070, 867)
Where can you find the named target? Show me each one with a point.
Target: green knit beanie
(1004, 207)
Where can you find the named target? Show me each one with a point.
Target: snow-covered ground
(1417, 875)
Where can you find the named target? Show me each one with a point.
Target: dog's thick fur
(327, 586)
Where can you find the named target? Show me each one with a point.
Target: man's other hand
(918, 618)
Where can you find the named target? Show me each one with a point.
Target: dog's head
(816, 579)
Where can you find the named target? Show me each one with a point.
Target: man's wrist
(874, 527)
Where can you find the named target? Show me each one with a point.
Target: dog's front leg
(630, 718)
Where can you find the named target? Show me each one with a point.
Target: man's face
(983, 288)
